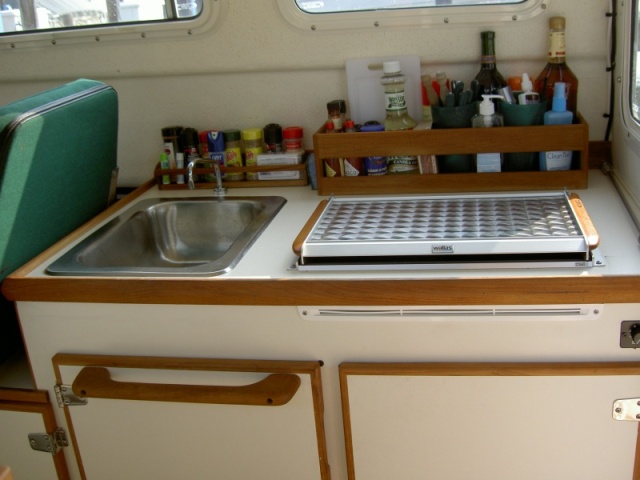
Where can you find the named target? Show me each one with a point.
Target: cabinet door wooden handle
(274, 390)
(593, 239)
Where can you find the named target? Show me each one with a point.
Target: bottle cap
(215, 141)
(252, 134)
(292, 132)
(272, 133)
(171, 131)
(189, 137)
(556, 23)
(231, 135)
(527, 84)
(375, 127)
(391, 67)
(337, 105)
(486, 106)
(559, 97)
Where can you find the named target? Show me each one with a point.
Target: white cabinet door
(489, 421)
(23, 413)
(167, 418)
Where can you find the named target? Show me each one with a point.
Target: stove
(461, 231)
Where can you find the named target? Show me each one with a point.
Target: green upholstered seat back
(57, 156)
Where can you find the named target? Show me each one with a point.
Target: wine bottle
(556, 69)
(489, 78)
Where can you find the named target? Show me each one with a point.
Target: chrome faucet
(219, 190)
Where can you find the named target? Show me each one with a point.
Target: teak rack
(173, 172)
(573, 137)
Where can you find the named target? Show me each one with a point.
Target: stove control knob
(634, 332)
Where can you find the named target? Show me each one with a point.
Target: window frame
(626, 80)
(409, 17)
(212, 10)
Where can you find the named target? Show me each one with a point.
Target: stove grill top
(419, 231)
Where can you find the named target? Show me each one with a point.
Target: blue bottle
(558, 115)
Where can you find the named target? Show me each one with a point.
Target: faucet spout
(219, 190)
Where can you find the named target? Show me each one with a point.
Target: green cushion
(57, 154)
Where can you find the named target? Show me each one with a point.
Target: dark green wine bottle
(489, 78)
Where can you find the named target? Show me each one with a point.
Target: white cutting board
(366, 94)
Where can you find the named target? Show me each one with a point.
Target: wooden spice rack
(173, 172)
(449, 142)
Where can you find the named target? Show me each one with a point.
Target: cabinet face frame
(454, 369)
(37, 403)
(310, 368)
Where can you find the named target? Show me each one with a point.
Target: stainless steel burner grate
(424, 219)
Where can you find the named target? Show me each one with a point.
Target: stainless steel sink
(172, 237)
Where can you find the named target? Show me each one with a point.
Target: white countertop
(271, 257)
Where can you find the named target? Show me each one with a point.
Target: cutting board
(366, 94)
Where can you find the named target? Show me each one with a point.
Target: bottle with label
(490, 80)
(488, 118)
(556, 69)
(528, 96)
(165, 165)
(252, 143)
(352, 166)
(272, 134)
(374, 165)
(332, 166)
(336, 110)
(233, 153)
(397, 116)
(215, 147)
(558, 115)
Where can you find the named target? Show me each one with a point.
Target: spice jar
(252, 142)
(233, 153)
(336, 110)
(292, 137)
(273, 138)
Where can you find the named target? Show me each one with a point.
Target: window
(27, 23)
(634, 81)
(332, 6)
(38, 15)
(319, 15)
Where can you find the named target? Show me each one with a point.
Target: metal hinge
(627, 409)
(66, 397)
(52, 443)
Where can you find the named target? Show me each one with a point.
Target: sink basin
(172, 237)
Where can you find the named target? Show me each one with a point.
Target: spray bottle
(558, 115)
(487, 118)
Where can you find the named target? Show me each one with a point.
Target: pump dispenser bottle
(488, 118)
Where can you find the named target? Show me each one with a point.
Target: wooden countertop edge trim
(467, 291)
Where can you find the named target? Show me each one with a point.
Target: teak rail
(450, 142)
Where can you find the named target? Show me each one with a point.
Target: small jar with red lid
(292, 139)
